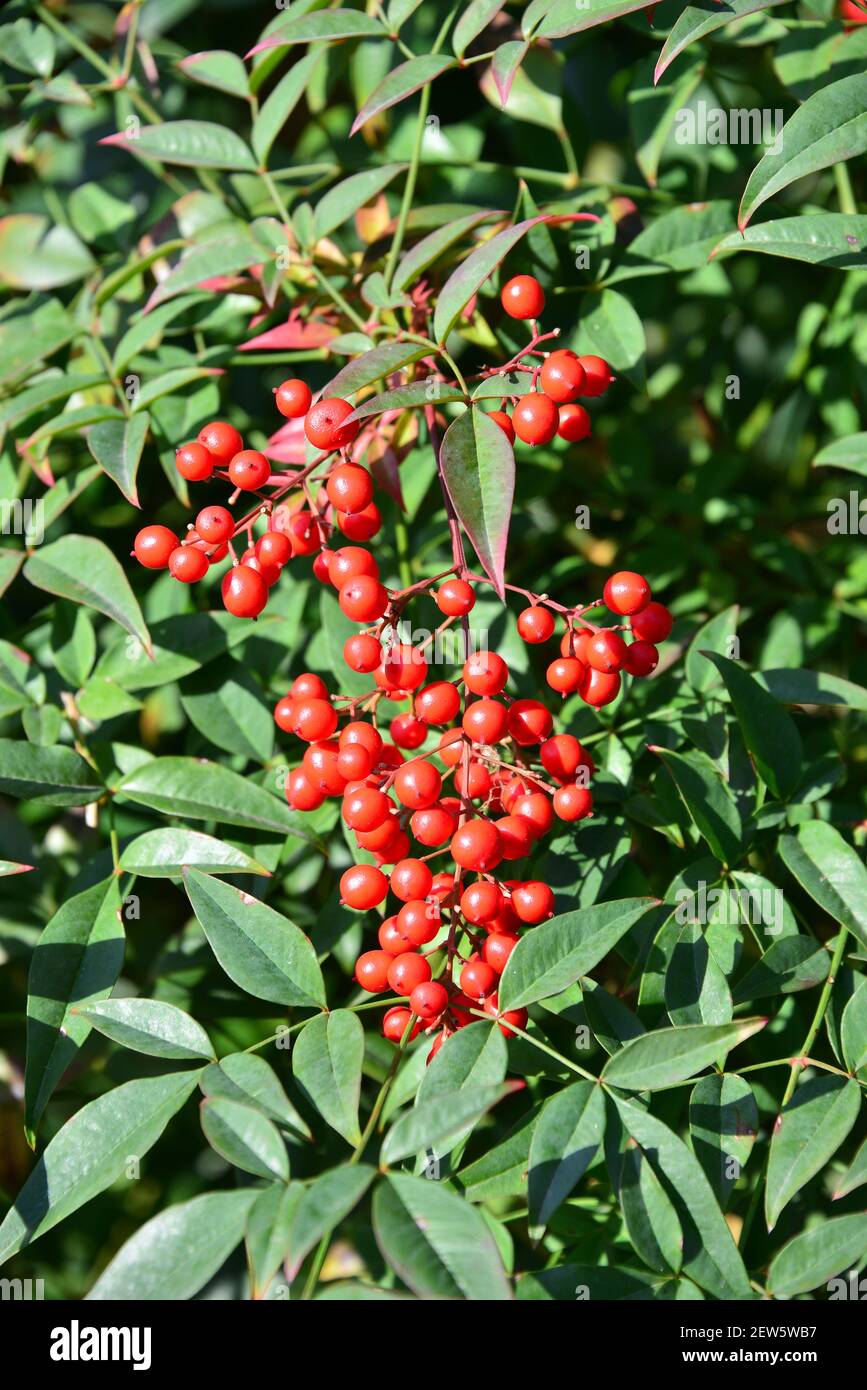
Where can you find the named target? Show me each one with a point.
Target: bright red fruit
(529, 721)
(562, 376)
(362, 652)
(371, 971)
(249, 469)
(454, 598)
(478, 979)
(536, 624)
(428, 1000)
(606, 651)
(349, 487)
(573, 802)
(292, 398)
(274, 548)
(497, 949)
(476, 845)
(533, 901)
(154, 546)
(522, 297)
(214, 524)
(438, 703)
(485, 673)
(574, 424)
(405, 972)
(516, 1017)
(502, 419)
(481, 902)
(597, 375)
(411, 878)
(363, 599)
(221, 440)
(536, 418)
(396, 1022)
(324, 425)
(417, 784)
(641, 659)
(194, 462)
(599, 688)
(653, 623)
(626, 593)
(188, 564)
(485, 721)
(363, 886)
(362, 525)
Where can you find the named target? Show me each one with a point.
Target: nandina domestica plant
(431, 732)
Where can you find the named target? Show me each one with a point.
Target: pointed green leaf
(723, 1124)
(84, 570)
(669, 1055)
(565, 1141)
(166, 852)
(771, 737)
(245, 1137)
(247, 1077)
(831, 872)
(323, 1204)
(55, 776)
(326, 1063)
(198, 144)
(440, 1123)
(201, 790)
(151, 1026)
(807, 1134)
(708, 800)
(812, 1258)
(343, 200)
(117, 447)
(438, 1244)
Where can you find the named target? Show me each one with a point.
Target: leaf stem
(409, 187)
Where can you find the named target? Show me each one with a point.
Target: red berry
(562, 376)
(485, 721)
(349, 487)
(533, 901)
(536, 808)
(194, 462)
(324, 425)
(455, 598)
(321, 766)
(599, 688)
(428, 1000)
(606, 651)
(304, 533)
(451, 747)
(535, 624)
(476, 845)
(516, 836)
(432, 826)
(313, 719)
(536, 418)
(502, 419)
(309, 685)
(354, 763)
(363, 886)
(485, 673)
(481, 902)
(418, 922)
(284, 714)
(363, 599)
(396, 1022)
(515, 1017)
(188, 564)
(371, 971)
(497, 949)
(529, 721)
(653, 623)
(574, 643)
(383, 837)
(561, 756)
(301, 793)
(249, 469)
(221, 440)
(365, 734)
(366, 808)
(438, 703)
(411, 878)
(362, 653)
(573, 802)
(565, 674)
(417, 784)
(292, 398)
(405, 972)
(626, 593)
(244, 592)
(362, 525)
(522, 297)
(574, 424)
(274, 548)
(154, 546)
(405, 667)
(477, 783)
(478, 979)
(407, 731)
(390, 938)
(597, 375)
(349, 562)
(215, 525)
(320, 567)
(641, 659)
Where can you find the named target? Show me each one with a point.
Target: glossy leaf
(280, 103)
(401, 83)
(166, 852)
(324, 1203)
(771, 737)
(83, 569)
(564, 1144)
(812, 1258)
(218, 68)
(56, 776)
(346, 197)
(833, 239)
(228, 706)
(378, 362)
(198, 144)
(415, 396)
(791, 964)
(475, 17)
(149, 1025)
(117, 447)
(855, 1175)
(853, 1030)
(249, 1078)
(439, 1245)
(707, 798)
(554, 954)
(245, 1138)
(439, 1123)
(723, 1124)
(807, 1134)
(201, 790)
(831, 872)
(669, 1055)
(332, 24)
(697, 21)
(849, 453)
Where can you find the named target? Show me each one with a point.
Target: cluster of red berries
(346, 503)
(511, 776)
(551, 406)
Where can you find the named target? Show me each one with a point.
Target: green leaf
(502, 1171)
(77, 958)
(440, 1123)
(553, 955)
(83, 569)
(150, 1026)
(281, 102)
(343, 200)
(832, 239)
(610, 327)
(260, 949)
(217, 68)
(117, 447)
(324, 1203)
(431, 247)
(478, 466)
(669, 1055)
(710, 1256)
(91, 1152)
(169, 382)
(708, 800)
(831, 872)
(28, 47)
(36, 256)
(464, 282)
(335, 24)
(792, 687)
(266, 1236)
(224, 256)
(849, 453)
(680, 240)
(853, 1029)
(182, 643)
(791, 964)
(565, 1141)
(648, 1213)
(808, 1132)
(475, 17)
(100, 699)
(401, 83)
(473, 1057)
(197, 144)
(696, 989)
(379, 362)
(415, 396)
(174, 1254)
(723, 1124)
(73, 644)
(247, 1077)
(55, 776)
(812, 1258)
(713, 636)
(437, 1243)
(201, 790)
(326, 1064)
(166, 852)
(697, 21)
(245, 1138)
(771, 737)
(227, 705)
(855, 1175)
(831, 126)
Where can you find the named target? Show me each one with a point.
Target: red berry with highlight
(324, 425)
(406, 972)
(562, 376)
(194, 462)
(221, 440)
(626, 593)
(292, 398)
(574, 424)
(371, 971)
(154, 546)
(536, 624)
(536, 419)
(249, 469)
(188, 564)
(455, 598)
(522, 297)
(428, 1000)
(597, 375)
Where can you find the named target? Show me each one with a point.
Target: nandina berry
(419, 921)
(362, 652)
(606, 651)
(366, 808)
(274, 548)
(382, 838)
(573, 802)
(154, 546)
(597, 375)
(497, 949)
(405, 666)
(194, 462)
(357, 731)
(301, 793)
(478, 979)
(573, 424)
(438, 703)
(536, 808)
(407, 731)
(396, 849)
(320, 567)
(485, 721)
(349, 562)
(599, 688)
(349, 488)
(852, 13)
(455, 597)
(574, 643)
(451, 747)
(529, 722)
(653, 623)
(405, 972)
(411, 878)
(215, 525)
(562, 376)
(503, 420)
(249, 469)
(396, 1022)
(477, 783)
(390, 938)
(363, 887)
(188, 564)
(481, 902)
(533, 901)
(284, 714)
(244, 592)
(432, 826)
(362, 525)
(310, 685)
(561, 756)
(517, 1018)
(641, 659)
(321, 765)
(292, 398)
(354, 762)
(417, 784)
(443, 885)
(565, 674)
(428, 1000)
(516, 836)
(325, 428)
(476, 845)
(363, 599)
(313, 719)
(536, 418)
(626, 593)
(522, 297)
(221, 440)
(270, 573)
(436, 1045)
(536, 624)
(304, 533)
(485, 673)
(371, 971)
